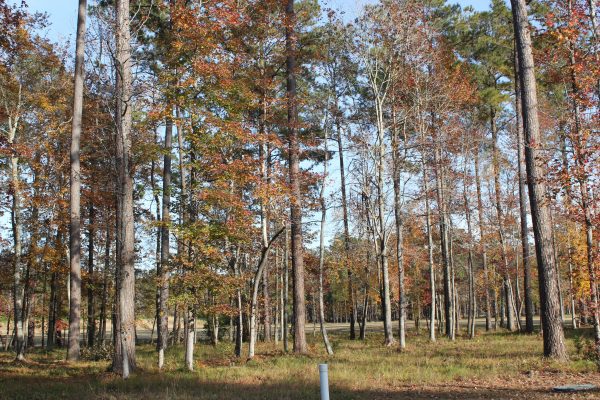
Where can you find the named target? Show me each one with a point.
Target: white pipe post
(324, 381)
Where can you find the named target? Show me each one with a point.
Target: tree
(74, 227)
(554, 341)
(328, 347)
(523, 209)
(124, 355)
(294, 176)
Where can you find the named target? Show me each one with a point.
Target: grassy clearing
(493, 366)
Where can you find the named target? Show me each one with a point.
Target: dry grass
(493, 366)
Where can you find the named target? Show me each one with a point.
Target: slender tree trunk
(91, 328)
(291, 40)
(17, 229)
(351, 294)
(281, 313)
(74, 227)
(163, 270)
(264, 219)
(104, 301)
(286, 285)
(363, 322)
(486, 276)
(523, 204)
(156, 219)
(328, 347)
(429, 248)
(267, 303)
(44, 289)
(190, 339)
(255, 286)
(554, 341)
(51, 341)
(382, 231)
(124, 361)
(276, 319)
(510, 323)
(571, 288)
(471, 273)
(399, 239)
(444, 242)
(454, 291)
(8, 335)
(558, 279)
(239, 318)
(27, 293)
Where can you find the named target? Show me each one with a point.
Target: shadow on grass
(183, 386)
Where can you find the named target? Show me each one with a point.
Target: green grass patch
(485, 367)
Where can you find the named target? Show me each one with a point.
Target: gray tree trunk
(104, 300)
(383, 251)
(74, 226)
(291, 40)
(470, 270)
(399, 224)
(554, 340)
(322, 201)
(124, 361)
(17, 228)
(523, 209)
(163, 267)
(91, 328)
(351, 295)
(444, 242)
(286, 284)
(486, 276)
(510, 321)
(255, 286)
(190, 338)
(429, 249)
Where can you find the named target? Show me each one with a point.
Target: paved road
(145, 331)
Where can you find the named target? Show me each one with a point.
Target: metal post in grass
(324, 381)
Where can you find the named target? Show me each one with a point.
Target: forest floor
(497, 365)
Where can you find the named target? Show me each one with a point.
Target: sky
(63, 13)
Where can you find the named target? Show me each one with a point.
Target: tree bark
(163, 270)
(323, 204)
(351, 294)
(486, 276)
(74, 226)
(554, 341)
(523, 203)
(286, 284)
(429, 248)
(190, 338)
(104, 301)
(382, 234)
(510, 322)
(291, 40)
(255, 286)
(399, 224)
(444, 242)
(17, 230)
(124, 361)
(91, 328)
(470, 271)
